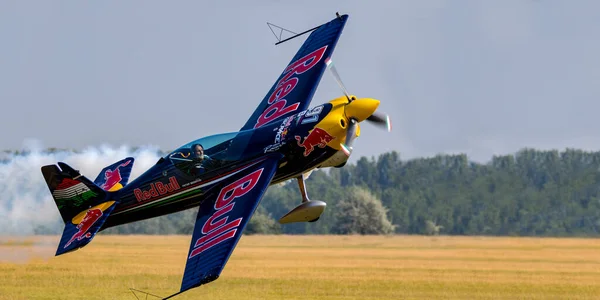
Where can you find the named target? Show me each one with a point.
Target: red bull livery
(226, 175)
(113, 177)
(91, 216)
(316, 138)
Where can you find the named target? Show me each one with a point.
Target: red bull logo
(317, 137)
(112, 177)
(91, 216)
(157, 189)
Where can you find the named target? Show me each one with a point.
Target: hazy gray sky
(479, 77)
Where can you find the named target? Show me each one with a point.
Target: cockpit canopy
(219, 150)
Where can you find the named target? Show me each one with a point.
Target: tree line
(530, 193)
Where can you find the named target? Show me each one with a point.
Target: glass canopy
(208, 153)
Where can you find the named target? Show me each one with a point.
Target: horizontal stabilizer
(83, 205)
(83, 227)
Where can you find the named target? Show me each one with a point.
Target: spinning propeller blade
(337, 77)
(377, 118)
(350, 135)
(381, 120)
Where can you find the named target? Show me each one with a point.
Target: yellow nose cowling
(361, 109)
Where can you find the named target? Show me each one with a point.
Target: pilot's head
(198, 151)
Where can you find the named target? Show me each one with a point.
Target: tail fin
(83, 205)
(115, 176)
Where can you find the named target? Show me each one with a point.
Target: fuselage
(303, 141)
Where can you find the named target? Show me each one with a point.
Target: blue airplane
(226, 175)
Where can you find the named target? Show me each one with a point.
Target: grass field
(309, 267)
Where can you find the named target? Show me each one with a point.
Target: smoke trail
(26, 206)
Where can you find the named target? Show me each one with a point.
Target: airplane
(226, 175)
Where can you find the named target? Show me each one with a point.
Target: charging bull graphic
(317, 137)
(91, 216)
(112, 177)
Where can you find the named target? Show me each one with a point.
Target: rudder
(83, 205)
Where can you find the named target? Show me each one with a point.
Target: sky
(475, 77)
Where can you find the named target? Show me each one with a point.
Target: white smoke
(26, 205)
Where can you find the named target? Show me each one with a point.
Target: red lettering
(156, 189)
(238, 188)
(138, 195)
(276, 109)
(153, 191)
(210, 224)
(300, 66)
(161, 188)
(211, 235)
(286, 85)
(283, 89)
(174, 183)
(213, 242)
(216, 229)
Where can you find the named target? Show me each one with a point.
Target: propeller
(350, 135)
(337, 77)
(379, 119)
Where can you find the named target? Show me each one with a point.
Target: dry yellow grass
(309, 267)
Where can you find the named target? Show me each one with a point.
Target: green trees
(530, 193)
(262, 223)
(361, 213)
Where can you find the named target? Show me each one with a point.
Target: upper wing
(295, 87)
(221, 220)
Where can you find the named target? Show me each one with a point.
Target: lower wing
(221, 220)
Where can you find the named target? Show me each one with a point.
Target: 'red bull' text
(156, 189)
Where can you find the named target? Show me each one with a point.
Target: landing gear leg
(302, 187)
(308, 211)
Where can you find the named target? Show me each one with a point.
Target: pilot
(200, 160)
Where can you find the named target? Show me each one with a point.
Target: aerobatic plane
(226, 175)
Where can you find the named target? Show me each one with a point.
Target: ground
(309, 267)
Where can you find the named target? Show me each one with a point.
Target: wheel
(340, 165)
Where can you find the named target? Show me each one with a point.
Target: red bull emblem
(157, 189)
(112, 177)
(91, 216)
(317, 137)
